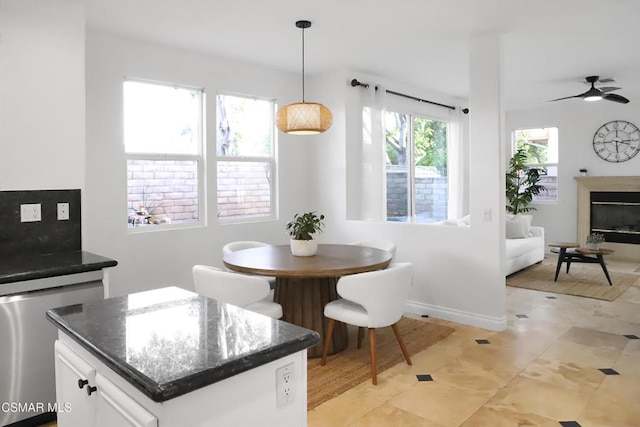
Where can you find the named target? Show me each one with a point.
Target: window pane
(244, 189)
(430, 181)
(245, 126)
(397, 180)
(541, 148)
(162, 191)
(161, 119)
(541, 145)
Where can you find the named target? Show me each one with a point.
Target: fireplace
(616, 214)
(611, 205)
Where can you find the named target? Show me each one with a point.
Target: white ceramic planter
(304, 247)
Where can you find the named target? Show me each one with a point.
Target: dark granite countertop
(37, 266)
(168, 342)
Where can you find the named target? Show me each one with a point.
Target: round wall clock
(617, 141)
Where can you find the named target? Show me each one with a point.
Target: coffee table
(572, 252)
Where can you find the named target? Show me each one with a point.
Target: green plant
(303, 226)
(595, 238)
(522, 183)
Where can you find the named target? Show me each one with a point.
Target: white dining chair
(385, 245)
(371, 300)
(248, 244)
(249, 292)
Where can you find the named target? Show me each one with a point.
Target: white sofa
(520, 252)
(523, 252)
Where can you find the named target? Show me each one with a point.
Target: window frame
(545, 165)
(271, 160)
(411, 162)
(199, 159)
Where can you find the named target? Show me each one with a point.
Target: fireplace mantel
(587, 184)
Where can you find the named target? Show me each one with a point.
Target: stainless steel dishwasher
(27, 377)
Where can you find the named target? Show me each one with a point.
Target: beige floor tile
(595, 338)
(341, 411)
(582, 355)
(440, 402)
(496, 416)
(390, 416)
(525, 395)
(615, 403)
(472, 375)
(566, 375)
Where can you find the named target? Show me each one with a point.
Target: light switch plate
(30, 212)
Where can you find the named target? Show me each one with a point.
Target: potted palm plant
(522, 183)
(302, 229)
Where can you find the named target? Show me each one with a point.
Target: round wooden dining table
(304, 285)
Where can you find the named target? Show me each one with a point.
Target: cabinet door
(75, 406)
(116, 408)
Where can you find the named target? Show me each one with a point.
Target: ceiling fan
(598, 93)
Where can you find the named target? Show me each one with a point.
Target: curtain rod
(355, 83)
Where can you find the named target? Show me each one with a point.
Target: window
(416, 173)
(245, 158)
(163, 147)
(541, 146)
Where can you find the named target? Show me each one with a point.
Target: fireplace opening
(616, 215)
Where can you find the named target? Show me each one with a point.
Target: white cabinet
(87, 399)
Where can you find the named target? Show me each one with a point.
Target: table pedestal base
(303, 302)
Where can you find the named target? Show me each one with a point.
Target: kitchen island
(169, 357)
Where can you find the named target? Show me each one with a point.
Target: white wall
(159, 258)
(457, 271)
(42, 94)
(577, 122)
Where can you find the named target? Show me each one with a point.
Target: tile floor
(569, 361)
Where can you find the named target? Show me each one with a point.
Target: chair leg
(372, 349)
(327, 341)
(360, 336)
(402, 346)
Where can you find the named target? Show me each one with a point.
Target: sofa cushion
(516, 247)
(518, 226)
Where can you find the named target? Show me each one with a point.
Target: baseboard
(458, 316)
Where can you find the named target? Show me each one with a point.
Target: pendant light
(304, 118)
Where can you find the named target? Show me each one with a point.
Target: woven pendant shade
(304, 118)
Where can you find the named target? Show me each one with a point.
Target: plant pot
(593, 246)
(304, 247)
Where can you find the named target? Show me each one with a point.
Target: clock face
(617, 141)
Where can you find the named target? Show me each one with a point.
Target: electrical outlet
(63, 211)
(285, 391)
(30, 212)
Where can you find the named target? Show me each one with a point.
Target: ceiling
(548, 46)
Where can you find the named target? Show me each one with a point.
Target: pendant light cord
(303, 64)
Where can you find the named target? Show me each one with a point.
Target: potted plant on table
(593, 241)
(302, 229)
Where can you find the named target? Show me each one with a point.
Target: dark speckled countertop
(168, 342)
(37, 266)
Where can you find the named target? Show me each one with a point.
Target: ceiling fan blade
(566, 97)
(616, 98)
(609, 88)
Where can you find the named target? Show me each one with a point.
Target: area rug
(352, 366)
(585, 280)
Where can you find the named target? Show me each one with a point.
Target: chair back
(232, 288)
(382, 293)
(385, 245)
(240, 245)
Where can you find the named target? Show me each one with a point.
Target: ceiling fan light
(591, 98)
(304, 118)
